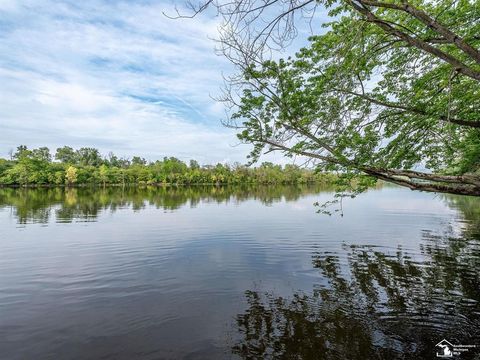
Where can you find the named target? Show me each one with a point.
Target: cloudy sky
(114, 75)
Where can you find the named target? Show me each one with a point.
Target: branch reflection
(375, 303)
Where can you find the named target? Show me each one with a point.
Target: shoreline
(50, 186)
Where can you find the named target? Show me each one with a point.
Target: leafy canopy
(389, 87)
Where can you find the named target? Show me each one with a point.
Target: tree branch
(473, 124)
(414, 180)
(449, 36)
(419, 44)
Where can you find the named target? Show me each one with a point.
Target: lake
(236, 273)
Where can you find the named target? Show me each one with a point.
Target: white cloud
(119, 76)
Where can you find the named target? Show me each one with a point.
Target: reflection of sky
(180, 275)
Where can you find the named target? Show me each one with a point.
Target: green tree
(5, 165)
(22, 151)
(29, 167)
(18, 174)
(194, 164)
(34, 167)
(42, 154)
(103, 174)
(137, 160)
(89, 156)
(66, 155)
(57, 178)
(71, 175)
(389, 86)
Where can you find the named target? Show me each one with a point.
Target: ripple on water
(170, 273)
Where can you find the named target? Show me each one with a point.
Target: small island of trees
(86, 166)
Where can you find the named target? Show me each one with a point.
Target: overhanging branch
(414, 180)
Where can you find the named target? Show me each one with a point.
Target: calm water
(220, 273)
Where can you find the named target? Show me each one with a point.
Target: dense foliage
(87, 166)
(390, 88)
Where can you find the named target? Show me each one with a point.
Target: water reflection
(219, 273)
(375, 303)
(85, 204)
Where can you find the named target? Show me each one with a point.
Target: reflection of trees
(374, 303)
(469, 206)
(303, 327)
(86, 203)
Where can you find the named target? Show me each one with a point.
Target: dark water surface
(220, 273)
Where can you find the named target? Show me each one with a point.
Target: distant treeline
(86, 166)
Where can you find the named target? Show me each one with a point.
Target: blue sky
(114, 75)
